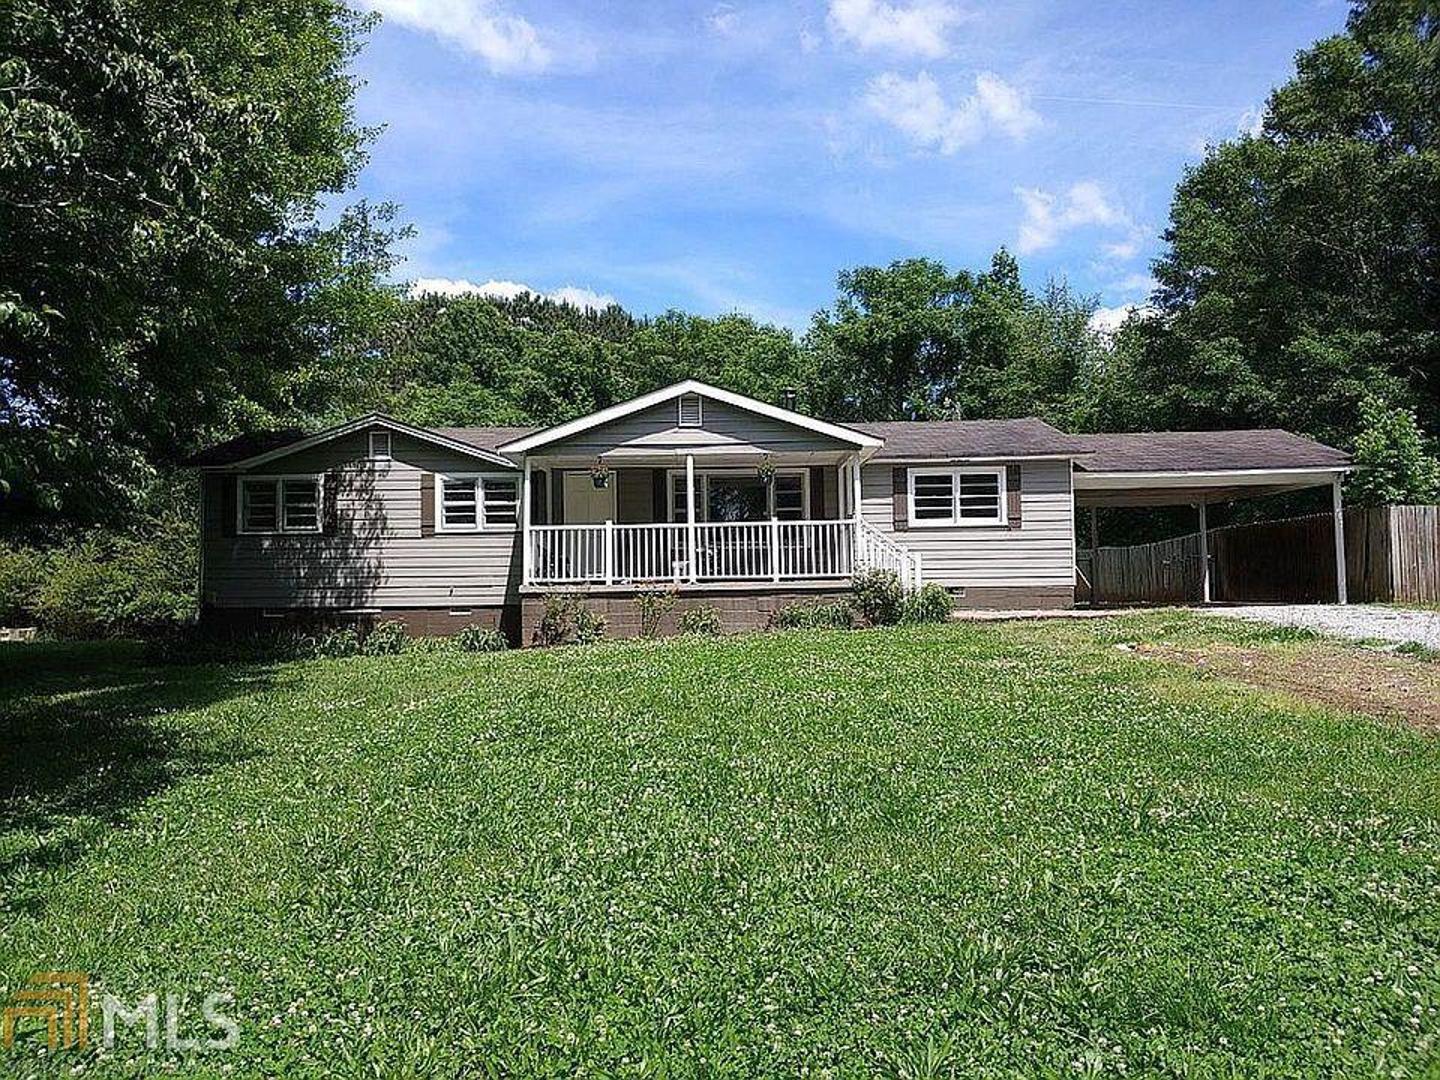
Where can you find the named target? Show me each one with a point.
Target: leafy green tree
(476, 360)
(1302, 268)
(166, 276)
(915, 340)
(1391, 461)
(887, 349)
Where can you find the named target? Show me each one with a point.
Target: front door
(585, 504)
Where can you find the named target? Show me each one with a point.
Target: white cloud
(917, 29)
(1124, 249)
(1049, 216)
(918, 108)
(509, 290)
(509, 44)
(723, 19)
(1252, 122)
(1107, 320)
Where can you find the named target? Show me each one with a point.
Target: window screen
(790, 497)
(934, 496)
(458, 506)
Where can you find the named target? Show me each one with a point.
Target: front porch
(728, 519)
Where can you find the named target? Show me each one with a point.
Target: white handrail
(661, 553)
(881, 552)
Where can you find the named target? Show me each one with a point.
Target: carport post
(1341, 592)
(1204, 559)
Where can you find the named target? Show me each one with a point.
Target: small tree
(1391, 462)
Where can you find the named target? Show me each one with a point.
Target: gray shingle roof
(486, 438)
(1206, 451)
(920, 439)
(910, 440)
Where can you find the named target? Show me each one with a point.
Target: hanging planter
(600, 474)
(766, 470)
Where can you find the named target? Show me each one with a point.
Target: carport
(1205, 468)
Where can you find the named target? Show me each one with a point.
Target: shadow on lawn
(85, 736)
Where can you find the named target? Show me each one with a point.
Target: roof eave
(559, 432)
(360, 424)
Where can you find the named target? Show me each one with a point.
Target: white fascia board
(691, 386)
(1207, 478)
(985, 459)
(373, 420)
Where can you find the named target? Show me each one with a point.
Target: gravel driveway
(1352, 621)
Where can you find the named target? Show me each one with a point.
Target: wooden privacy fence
(1392, 553)
(1167, 571)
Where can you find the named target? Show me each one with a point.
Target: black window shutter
(900, 497)
(659, 495)
(427, 504)
(1013, 480)
(229, 508)
(330, 506)
(539, 503)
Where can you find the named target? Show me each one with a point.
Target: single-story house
(730, 502)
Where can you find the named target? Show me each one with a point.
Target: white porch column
(690, 512)
(609, 551)
(1342, 592)
(1204, 558)
(528, 557)
(856, 510)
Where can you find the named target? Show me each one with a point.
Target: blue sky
(721, 156)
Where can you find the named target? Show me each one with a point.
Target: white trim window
(279, 504)
(380, 446)
(950, 497)
(788, 497)
(472, 502)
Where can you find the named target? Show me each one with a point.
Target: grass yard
(973, 849)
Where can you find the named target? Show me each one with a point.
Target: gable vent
(691, 414)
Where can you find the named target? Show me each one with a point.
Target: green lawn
(1009, 850)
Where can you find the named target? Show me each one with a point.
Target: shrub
(481, 639)
(834, 615)
(879, 597)
(568, 621)
(932, 603)
(85, 595)
(104, 584)
(385, 639)
(337, 643)
(22, 574)
(653, 607)
(700, 620)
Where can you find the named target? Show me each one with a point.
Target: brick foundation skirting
(418, 622)
(1014, 597)
(739, 610)
(751, 609)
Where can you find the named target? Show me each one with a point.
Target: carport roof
(921, 440)
(1206, 451)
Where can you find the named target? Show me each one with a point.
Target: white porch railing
(724, 551)
(878, 552)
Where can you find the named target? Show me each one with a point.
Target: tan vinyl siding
(376, 556)
(1039, 553)
(723, 425)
